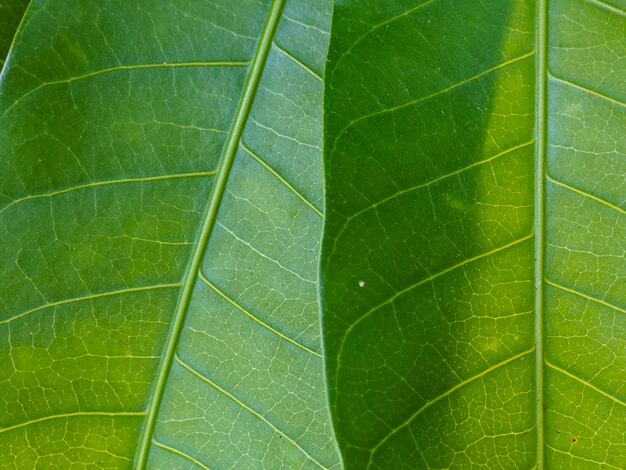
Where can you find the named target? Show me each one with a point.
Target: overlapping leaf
(474, 283)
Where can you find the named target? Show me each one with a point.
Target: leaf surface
(160, 218)
(473, 274)
(11, 13)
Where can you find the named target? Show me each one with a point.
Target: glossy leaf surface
(160, 219)
(473, 273)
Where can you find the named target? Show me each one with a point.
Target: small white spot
(361, 283)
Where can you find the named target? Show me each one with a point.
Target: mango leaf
(473, 274)
(11, 13)
(160, 219)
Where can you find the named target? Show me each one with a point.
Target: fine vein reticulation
(226, 162)
(139, 328)
(473, 271)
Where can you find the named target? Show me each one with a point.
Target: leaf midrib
(540, 181)
(228, 156)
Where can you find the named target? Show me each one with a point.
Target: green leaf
(160, 220)
(473, 274)
(11, 13)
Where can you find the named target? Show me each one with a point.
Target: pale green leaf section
(248, 368)
(585, 237)
(119, 122)
(473, 266)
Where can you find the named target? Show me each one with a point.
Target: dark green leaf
(474, 283)
(11, 12)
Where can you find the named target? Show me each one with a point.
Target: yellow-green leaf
(160, 220)
(474, 281)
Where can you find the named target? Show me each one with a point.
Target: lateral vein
(112, 414)
(180, 453)
(584, 296)
(121, 68)
(441, 178)
(388, 21)
(449, 392)
(95, 184)
(413, 286)
(263, 255)
(276, 175)
(439, 274)
(90, 297)
(436, 93)
(298, 62)
(584, 382)
(610, 99)
(257, 320)
(245, 407)
(607, 7)
(584, 194)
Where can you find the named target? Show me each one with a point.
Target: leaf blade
(416, 302)
(217, 191)
(12, 14)
(139, 130)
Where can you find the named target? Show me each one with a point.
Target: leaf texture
(11, 13)
(160, 218)
(473, 274)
